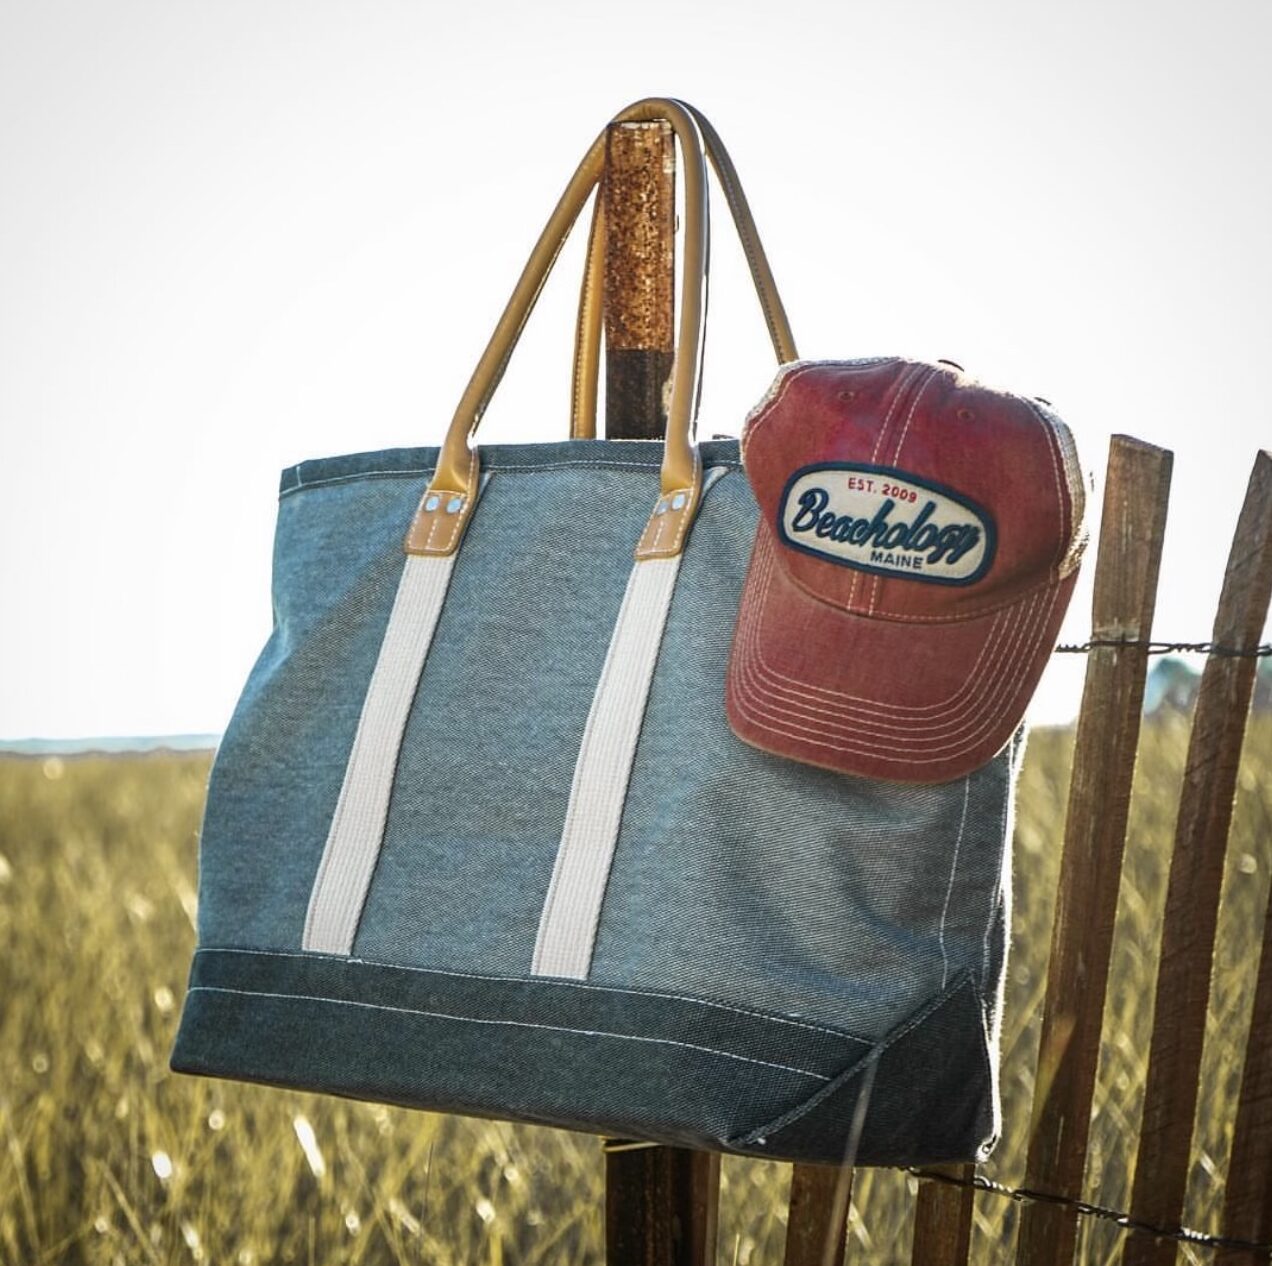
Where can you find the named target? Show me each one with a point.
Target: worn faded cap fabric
(918, 542)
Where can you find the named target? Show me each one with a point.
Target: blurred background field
(107, 1157)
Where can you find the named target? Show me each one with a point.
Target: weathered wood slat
(1196, 876)
(660, 1203)
(817, 1220)
(1247, 1210)
(943, 1220)
(661, 1207)
(1134, 518)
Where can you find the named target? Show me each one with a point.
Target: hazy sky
(237, 235)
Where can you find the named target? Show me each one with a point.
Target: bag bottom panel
(675, 1070)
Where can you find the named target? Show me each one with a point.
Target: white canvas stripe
(572, 908)
(567, 927)
(357, 826)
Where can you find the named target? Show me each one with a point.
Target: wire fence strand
(1086, 1209)
(1261, 651)
(1026, 1195)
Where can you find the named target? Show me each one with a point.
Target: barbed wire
(1085, 1208)
(1169, 648)
(1028, 1195)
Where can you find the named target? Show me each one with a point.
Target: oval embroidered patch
(887, 521)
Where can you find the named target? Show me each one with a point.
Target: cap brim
(903, 700)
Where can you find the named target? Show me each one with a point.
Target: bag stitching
(541, 980)
(517, 1024)
(949, 888)
(415, 472)
(338, 813)
(875, 1056)
(694, 501)
(999, 889)
(573, 809)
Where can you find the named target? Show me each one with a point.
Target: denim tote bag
(479, 838)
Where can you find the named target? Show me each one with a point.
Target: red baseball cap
(917, 546)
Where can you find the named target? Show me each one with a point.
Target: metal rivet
(452, 506)
(661, 508)
(678, 501)
(433, 502)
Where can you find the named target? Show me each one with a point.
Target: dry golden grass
(106, 1157)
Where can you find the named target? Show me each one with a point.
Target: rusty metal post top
(639, 192)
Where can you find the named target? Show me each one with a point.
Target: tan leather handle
(587, 340)
(585, 380)
(448, 501)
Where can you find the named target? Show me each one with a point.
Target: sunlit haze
(238, 235)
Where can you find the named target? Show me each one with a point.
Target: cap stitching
(1047, 582)
(896, 457)
(990, 719)
(907, 377)
(1052, 447)
(905, 430)
(1014, 647)
(757, 594)
(780, 724)
(786, 375)
(1059, 433)
(781, 384)
(996, 635)
(952, 707)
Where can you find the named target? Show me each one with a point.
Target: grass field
(106, 1157)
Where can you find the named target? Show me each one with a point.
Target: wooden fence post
(660, 1202)
(943, 1219)
(1196, 876)
(817, 1216)
(639, 191)
(1247, 1210)
(661, 1207)
(1133, 521)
